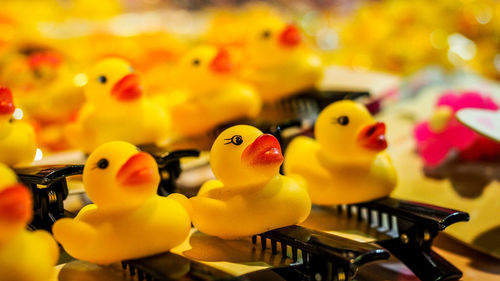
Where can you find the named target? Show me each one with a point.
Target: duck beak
(290, 36)
(127, 89)
(222, 62)
(15, 204)
(6, 102)
(265, 150)
(373, 137)
(139, 170)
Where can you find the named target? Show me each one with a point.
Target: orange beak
(15, 204)
(139, 170)
(49, 59)
(290, 36)
(6, 101)
(265, 150)
(127, 89)
(373, 137)
(222, 62)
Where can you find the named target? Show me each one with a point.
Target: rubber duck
(443, 133)
(17, 138)
(249, 195)
(128, 219)
(44, 82)
(24, 255)
(208, 92)
(347, 162)
(47, 88)
(116, 109)
(275, 51)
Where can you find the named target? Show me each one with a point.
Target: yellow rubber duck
(208, 92)
(347, 162)
(24, 255)
(128, 220)
(116, 109)
(249, 195)
(278, 62)
(17, 138)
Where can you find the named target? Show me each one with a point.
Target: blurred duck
(278, 61)
(17, 138)
(347, 162)
(207, 92)
(116, 109)
(24, 255)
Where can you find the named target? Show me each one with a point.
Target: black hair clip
(49, 188)
(322, 257)
(411, 228)
(169, 165)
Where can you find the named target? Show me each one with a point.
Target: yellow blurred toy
(128, 219)
(347, 162)
(24, 255)
(208, 93)
(278, 62)
(44, 83)
(116, 109)
(17, 138)
(250, 196)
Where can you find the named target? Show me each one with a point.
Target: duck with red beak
(278, 59)
(249, 195)
(208, 92)
(128, 219)
(347, 162)
(17, 138)
(24, 255)
(117, 109)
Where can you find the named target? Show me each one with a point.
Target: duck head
(271, 39)
(112, 82)
(204, 67)
(6, 105)
(118, 176)
(243, 156)
(16, 204)
(347, 132)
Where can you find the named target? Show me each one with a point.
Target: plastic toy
(128, 219)
(249, 195)
(275, 52)
(17, 138)
(116, 109)
(43, 80)
(482, 121)
(443, 133)
(24, 255)
(207, 92)
(347, 162)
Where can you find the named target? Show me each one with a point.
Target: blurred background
(407, 52)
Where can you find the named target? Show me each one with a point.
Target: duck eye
(131, 69)
(102, 79)
(196, 62)
(103, 163)
(343, 120)
(266, 34)
(236, 140)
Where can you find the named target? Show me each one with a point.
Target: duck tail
(74, 236)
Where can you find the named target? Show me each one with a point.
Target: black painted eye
(196, 62)
(236, 140)
(266, 34)
(102, 79)
(343, 120)
(103, 163)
